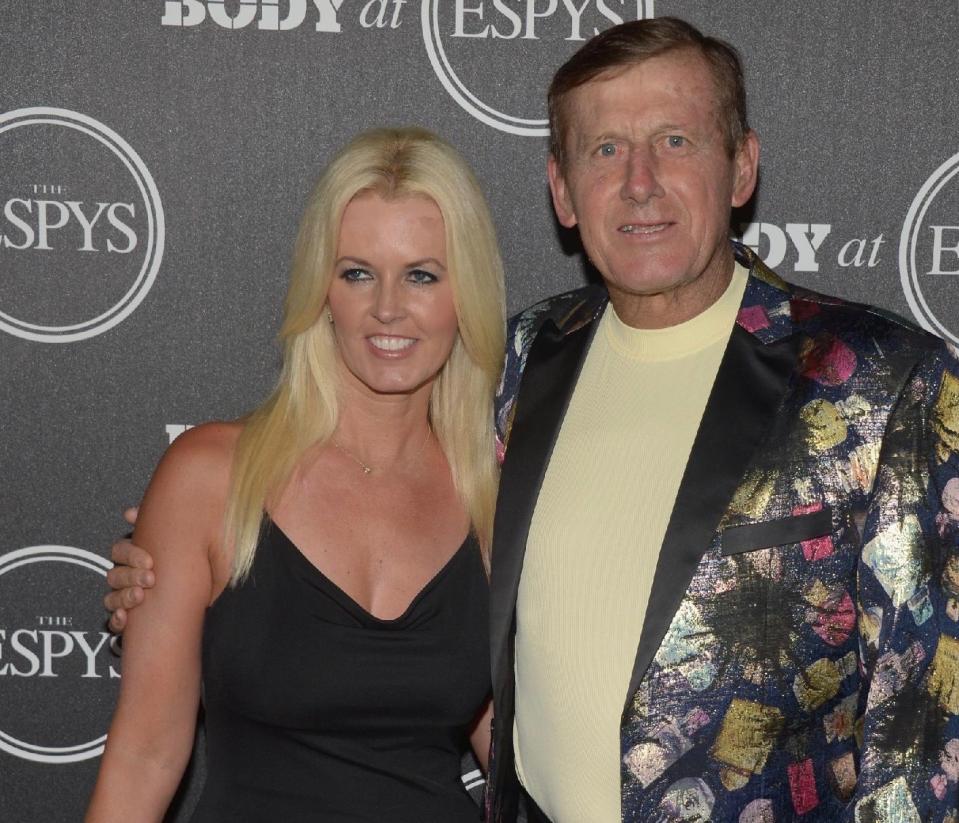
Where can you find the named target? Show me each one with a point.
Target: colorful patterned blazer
(800, 654)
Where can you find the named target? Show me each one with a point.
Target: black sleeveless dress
(318, 711)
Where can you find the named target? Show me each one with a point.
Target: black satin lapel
(552, 368)
(748, 391)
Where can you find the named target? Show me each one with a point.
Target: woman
(334, 541)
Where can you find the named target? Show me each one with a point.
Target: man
(754, 483)
(744, 477)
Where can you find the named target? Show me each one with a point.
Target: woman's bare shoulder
(208, 447)
(194, 473)
(215, 439)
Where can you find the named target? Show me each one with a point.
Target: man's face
(650, 184)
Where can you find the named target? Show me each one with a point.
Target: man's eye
(676, 141)
(422, 277)
(355, 275)
(607, 150)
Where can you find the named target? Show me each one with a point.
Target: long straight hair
(303, 407)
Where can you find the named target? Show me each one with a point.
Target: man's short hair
(628, 44)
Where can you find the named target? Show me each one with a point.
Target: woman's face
(391, 299)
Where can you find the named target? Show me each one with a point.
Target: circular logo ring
(155, 226)
(908, 271)
(522, 126)
(47, 554)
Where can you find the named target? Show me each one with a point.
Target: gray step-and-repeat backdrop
(154, 159)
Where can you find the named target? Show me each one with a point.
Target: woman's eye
(422, 277)
(355, 275)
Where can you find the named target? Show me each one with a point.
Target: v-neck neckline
(348, 601)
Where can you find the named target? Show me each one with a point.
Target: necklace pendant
(367, 470)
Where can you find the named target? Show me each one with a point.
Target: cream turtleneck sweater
(592, 549)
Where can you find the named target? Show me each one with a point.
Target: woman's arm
(151, 736)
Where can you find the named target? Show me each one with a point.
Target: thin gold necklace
(367, 468)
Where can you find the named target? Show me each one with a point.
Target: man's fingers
(123, 599)
(118, 621)
(120, 552)
(125, 553)
(121, 577)
(132, 597)
(127, 577)
(113, 602)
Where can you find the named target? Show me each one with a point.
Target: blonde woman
(321, 563)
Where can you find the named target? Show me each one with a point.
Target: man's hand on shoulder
(132, 574)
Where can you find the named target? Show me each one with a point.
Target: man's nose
(641, 181)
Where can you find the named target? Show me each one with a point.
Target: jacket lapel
(752, 379)
(552, 369)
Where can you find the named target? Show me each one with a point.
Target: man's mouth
(391, 343)
(644, 228)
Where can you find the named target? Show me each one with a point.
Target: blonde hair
(302, 410)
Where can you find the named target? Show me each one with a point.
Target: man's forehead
(669, 71)
(676, 88)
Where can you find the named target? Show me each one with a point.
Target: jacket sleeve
(908, 604)
(520, 332)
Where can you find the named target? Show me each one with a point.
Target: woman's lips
(390, 344)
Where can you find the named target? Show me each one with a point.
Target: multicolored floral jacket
(800, 654)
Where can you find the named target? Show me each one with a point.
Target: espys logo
(81, 226)
(467, 41)
(929, 252)
(58, 671)
(455, 34)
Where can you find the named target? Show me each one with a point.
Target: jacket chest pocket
(796, 529)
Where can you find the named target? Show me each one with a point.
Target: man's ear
(562, 203)
(747, 169)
